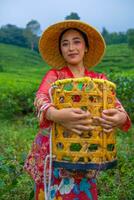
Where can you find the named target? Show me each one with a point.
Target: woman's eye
(77, 41)
(64, 44)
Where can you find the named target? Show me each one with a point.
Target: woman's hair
(78, 30)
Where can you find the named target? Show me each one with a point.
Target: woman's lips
(72, 55)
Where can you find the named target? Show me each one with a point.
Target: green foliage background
(21, 71)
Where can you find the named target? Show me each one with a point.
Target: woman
(71, 47)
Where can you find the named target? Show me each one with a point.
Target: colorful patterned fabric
(40, 149)
(69, 188)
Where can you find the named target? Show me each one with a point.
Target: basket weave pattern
(94, 146)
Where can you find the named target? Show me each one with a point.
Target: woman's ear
(86, 50)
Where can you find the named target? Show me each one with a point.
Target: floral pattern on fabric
(70, 186)
(53, 192)
(35, 162)
(66, 185)
(78, 188)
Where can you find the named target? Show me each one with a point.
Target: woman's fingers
(79, 129)
(84, 128)
(108, 118)
(81, 116)
(83, 122)
(99, 121)
(110, 114)
(107, 126)
(108, 130)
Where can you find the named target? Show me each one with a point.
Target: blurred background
(22, 69)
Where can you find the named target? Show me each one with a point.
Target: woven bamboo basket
(94, 149)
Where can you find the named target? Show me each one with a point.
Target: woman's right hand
(73, 119)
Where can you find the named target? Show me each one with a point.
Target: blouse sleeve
(118, 105)
(43, 101)
(127, 123)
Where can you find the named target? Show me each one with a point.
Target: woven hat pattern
(49, 43)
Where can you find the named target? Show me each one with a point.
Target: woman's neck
(77, 71)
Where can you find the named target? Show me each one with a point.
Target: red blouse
(43, 102)
(35, 161)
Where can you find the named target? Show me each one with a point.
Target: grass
(16, 139)
(21, 70)
(118, 183)
(17, 62)
(118, 59)
(26, 64)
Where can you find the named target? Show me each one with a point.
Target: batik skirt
(73, 187)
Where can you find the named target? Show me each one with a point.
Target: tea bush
(125, 87)
(16, 138)
(21, 71)
(17, 97)
(118, 183)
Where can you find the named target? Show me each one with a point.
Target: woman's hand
(76, 120)
(73, 119)
(111, 118)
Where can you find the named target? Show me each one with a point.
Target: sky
(114, 15)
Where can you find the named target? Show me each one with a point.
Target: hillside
(21, 71)
(20, 63)
(118, 59)
(24, 63)
(23, 68)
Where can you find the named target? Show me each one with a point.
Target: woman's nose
(71, 47)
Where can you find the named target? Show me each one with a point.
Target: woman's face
(73, 47)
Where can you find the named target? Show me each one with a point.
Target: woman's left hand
(111, 118)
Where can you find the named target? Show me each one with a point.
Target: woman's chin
(74, 63)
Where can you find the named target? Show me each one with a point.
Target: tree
(11, 34)
(114, 37)
(122, 37)
(105, 34)
(31, 39)
(31, 32)
(34, 27)
(73, 15)
(130, 37)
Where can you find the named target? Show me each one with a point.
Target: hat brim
(49, 43)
